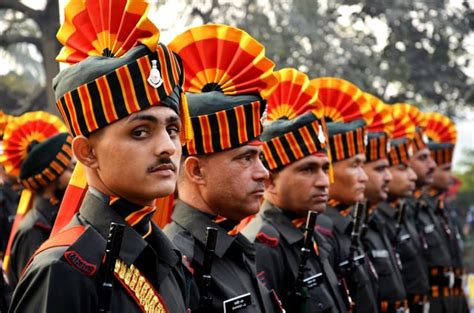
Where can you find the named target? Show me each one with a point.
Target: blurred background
(418, 51)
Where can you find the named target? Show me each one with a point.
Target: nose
(387, 175)
(432, 163)
(363, 178)
(165, 145)
(321, 180)
(411, 174)
(260, 173)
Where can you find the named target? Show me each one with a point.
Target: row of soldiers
(288, 194)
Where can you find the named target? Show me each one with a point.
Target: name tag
(314, 280)
(237, 303)
(380, 253)
(429, 228)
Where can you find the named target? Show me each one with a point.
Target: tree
(28, 32)
(401, 51)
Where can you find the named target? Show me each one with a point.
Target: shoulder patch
(324, 231)
(73, 258)
(267, 239)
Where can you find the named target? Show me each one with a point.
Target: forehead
(156, 113)
(376, 163)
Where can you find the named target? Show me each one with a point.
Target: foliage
(411, 51)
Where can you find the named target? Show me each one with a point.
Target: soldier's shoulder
(181, 238)
(79, 247)
(260, 230)
(325, 225)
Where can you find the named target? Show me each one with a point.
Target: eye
(173, 130)
(140, 133)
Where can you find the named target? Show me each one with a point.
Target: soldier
(400, 226)
(44, 171)
(347, 113)
(228, 77)
(391, 291)
(125, 107)
(441, 132)
(298, 183)
(435, 252)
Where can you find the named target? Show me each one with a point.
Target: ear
(194, 170)
(84, 152)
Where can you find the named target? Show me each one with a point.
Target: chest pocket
(381, 261)
(431, 236)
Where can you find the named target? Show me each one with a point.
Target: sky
(169, 24)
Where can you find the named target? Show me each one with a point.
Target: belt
(442, 277)
(418, 303)
(394, 307)
(439, 291)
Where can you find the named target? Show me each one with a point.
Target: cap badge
(366, 139)
(321, 137)
(263, 119)
(155, 77)
(425, 138)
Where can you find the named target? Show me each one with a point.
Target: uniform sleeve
(54, 287)
(271, 269)
(24, 245)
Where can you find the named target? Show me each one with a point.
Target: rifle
(365, 224)
(205, 301)
(399, 224)
(420, 205)
(354, 259)
(112, 249)
(298, 296)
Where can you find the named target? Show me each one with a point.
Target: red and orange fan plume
(343, 101)
(224, 58)
(411, 111)
(24, 130)
(382, 117)
(404, 125)
(440, 128)
(293, 96)
(104, 28)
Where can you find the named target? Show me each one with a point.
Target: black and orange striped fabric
(225, 129)
(379, 130)
(23, 131)
(227, 81)
(46, 162)
(401, 143)
(294, 127)
(442, 136)
(124, 90)
(347, 113)
(119, 66)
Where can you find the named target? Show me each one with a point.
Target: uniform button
(320, 306)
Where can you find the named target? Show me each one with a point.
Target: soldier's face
(234, 181)
(424, 166)
(379, 177)
(403, 181)
(300, 186)
(349, 180)
(442, 177)
(137, 157)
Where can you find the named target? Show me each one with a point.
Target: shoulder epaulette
(268, 236)
(325, 225)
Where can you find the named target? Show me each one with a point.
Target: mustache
(162, 163)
